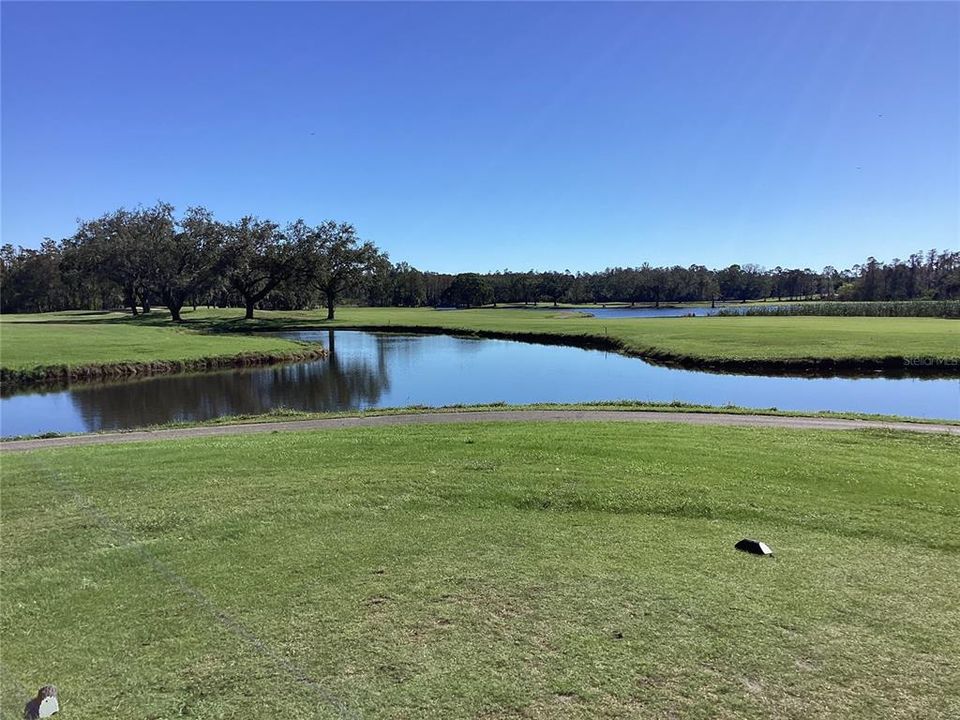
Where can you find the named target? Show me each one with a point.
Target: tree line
(923, 276)
(146, 256)
(138, 258)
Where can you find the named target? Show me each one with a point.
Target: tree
(336, 259)
(653, 284)
(258, 257)
(741, 283)
(436, 286)
(827, 285)
(731, 282)
(871, 280)
(31, 278)
(755, 282)
(378, 284)
(523, 287)
(113, 244)
(84, 285)
(703, 283)
(554, 285)
(185, 257)
(409, 288)
(468, 290)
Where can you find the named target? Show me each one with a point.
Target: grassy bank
(284, 414)
(841, 345)
(61, 349)
(532, 570)
(281, 414)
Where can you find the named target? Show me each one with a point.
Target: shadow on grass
(161, 318)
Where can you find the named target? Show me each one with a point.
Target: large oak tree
(186, 256)
(258, 257)
(336, 259)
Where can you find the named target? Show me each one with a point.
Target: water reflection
(382, 370)
(342, 381)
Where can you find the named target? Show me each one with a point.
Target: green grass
(78, 340)
(283, 414)
(702, 340)
(705, 338)
(493, 570)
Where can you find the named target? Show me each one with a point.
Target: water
(369, 370)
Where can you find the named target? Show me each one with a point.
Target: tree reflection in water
(336, 383)
(381, 370)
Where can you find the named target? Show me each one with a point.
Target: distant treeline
(137, 258)
(930, 276)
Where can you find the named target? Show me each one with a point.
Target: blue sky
(481, 136)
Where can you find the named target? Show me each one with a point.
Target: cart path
(441, 418)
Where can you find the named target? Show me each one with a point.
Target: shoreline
(58, 376)
(17, 380)
(434, 417)
(893, 366)
(285, 415)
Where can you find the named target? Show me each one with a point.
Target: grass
(24, 345)
(283, 414)
(748, 343)
(493, 570)
(705, 338)
(55, 349)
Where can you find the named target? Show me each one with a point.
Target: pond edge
(53, 376)
(892, 366)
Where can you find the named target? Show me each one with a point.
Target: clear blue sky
(482, 136)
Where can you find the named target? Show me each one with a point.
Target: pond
(370, 370)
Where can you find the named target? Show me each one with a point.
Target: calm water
(379, 370)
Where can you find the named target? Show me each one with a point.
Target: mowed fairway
(487, 570)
